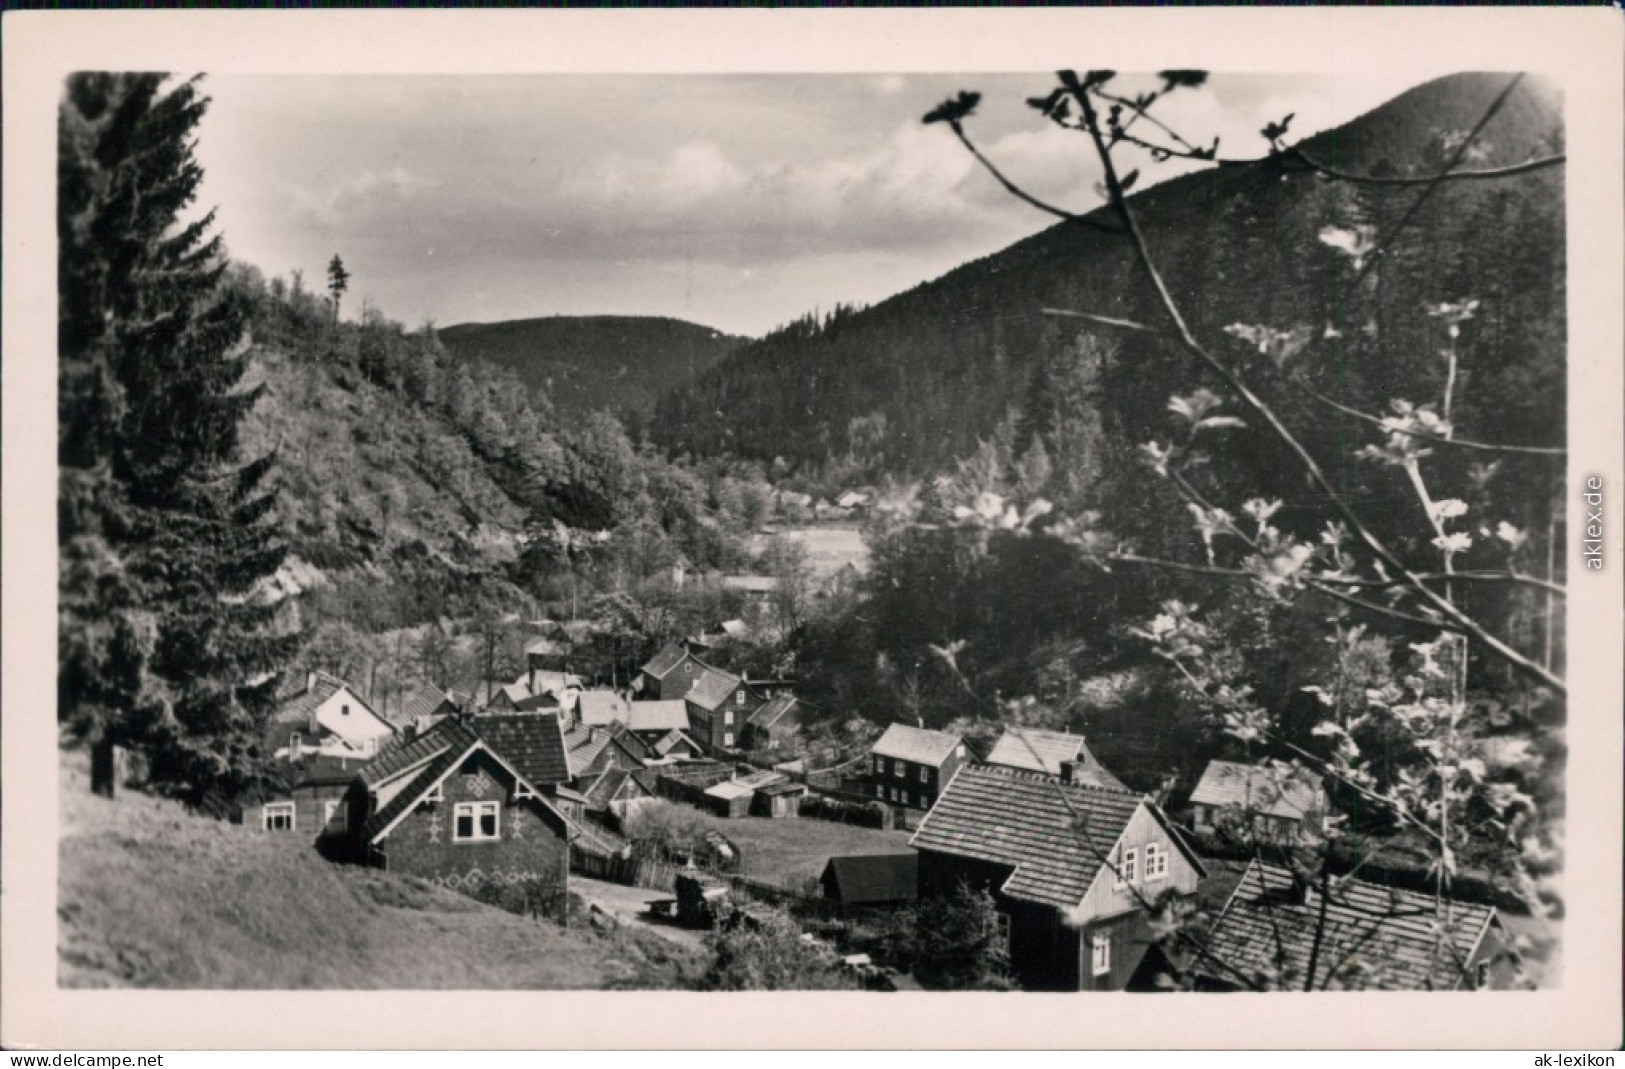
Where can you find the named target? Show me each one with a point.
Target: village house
(774, 724)
(1272, 800)
(1053, 753)
(549, 654)
(669, 674)
(652, 722)
(872, 881)
(312, 804)
(1070, 866)
(1361, 935)
(326, 718)
(455, 806)
(674, 745)
(718, 705)
(594, 749)
(426, 707)
(910, 766)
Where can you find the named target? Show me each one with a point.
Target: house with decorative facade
(457, 807)
(1071, 867)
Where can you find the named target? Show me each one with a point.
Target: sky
(737, 202)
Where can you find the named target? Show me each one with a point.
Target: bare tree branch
(1021, 194)
(1464, 443)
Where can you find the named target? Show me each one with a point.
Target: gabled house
(1053, 753)
(674, 745)
(1070, 865)
(774, 723)
(596, 749)
(326, 718)
(718, 704)
(669, 674)
(1360, 935)
(872, 881)
(1273, 800)
(427, 706)
(910, 766)
(454, 807)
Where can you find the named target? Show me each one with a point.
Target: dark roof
(921, 746)
(1277, 789)
(1035, 824)
(1390, 938)
(533, 743)
(874, 878)
(427, 701)
(670, 656)
(712, 687)
(770, 711)
(447, 733)
(448, 759)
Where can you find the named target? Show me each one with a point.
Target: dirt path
(629, 905)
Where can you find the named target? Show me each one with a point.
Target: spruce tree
(167, 642)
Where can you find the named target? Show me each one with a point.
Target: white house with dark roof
(1053, 753)
(326, 718)
(1272, 799)
(910, 766)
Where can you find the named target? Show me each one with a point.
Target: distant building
(1053, 753)
(1361, 936)
(1069, 864)
(774, 723)
(427, 706)
(1272, 799)
(326, 718)
(911, 766)
(669, 674)
(312, 803)
(718, 704)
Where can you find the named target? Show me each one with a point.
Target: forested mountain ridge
(584, 363)
(936, 369)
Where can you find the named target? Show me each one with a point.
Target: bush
(537, 897)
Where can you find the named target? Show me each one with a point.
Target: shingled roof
(1386, 938)
(1038, 750)
(1030, 823)
(920, 746)
(603, 707)
(319, 686)
(771, 710)
(533, 743)
(448, 759)
(711, 688)
(1277, 790)
(438, 739)
(423, 703)
(670, 656)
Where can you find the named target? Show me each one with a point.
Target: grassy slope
(151, 896)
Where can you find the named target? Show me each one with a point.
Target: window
(899, 770)
(728, 717)
(278, 816)
(1481, 975)
(1100, 953)
(880, 766)
(739, 696)
(925, 774)
(1156, 861)
(344, 710)
(880, 792)
(475, 821)
(728, 738)
(1127, 866)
